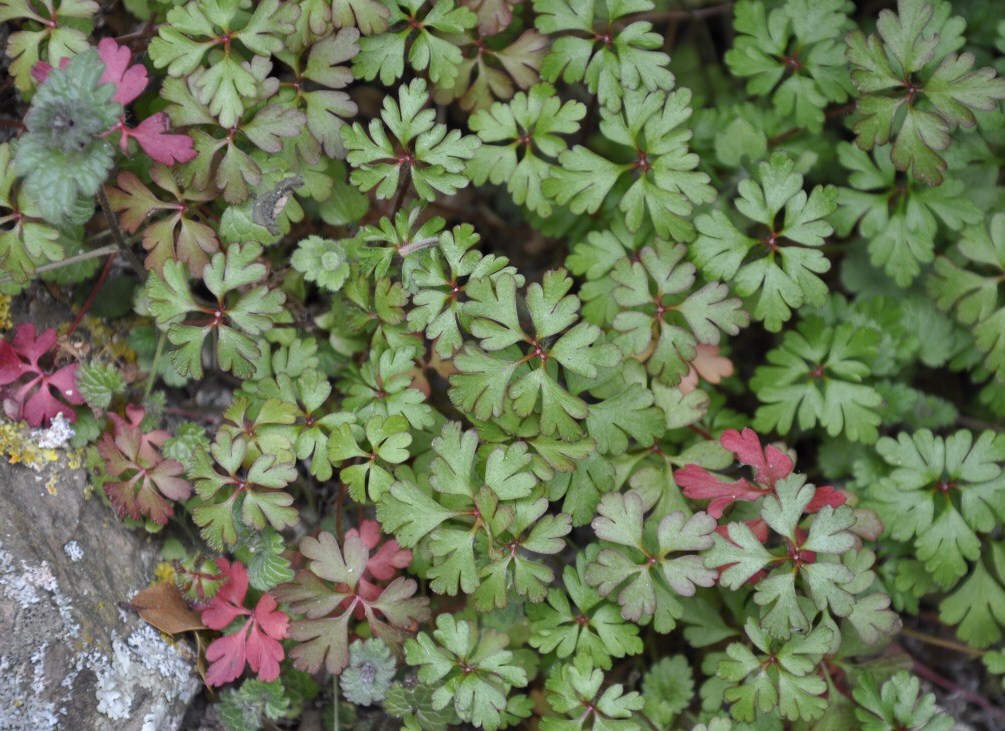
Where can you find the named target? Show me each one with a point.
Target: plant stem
(89, 302)
(939, 642)
(153, 365)
(933, 677)
(84, 256)
(120, 239)
(335, 721)
(399, 196)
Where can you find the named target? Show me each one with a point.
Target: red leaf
(130, 81)
(258, 640)
(44, 394)
(143, 479)
(826, 495)
(700, 484)
(769, 465)
(154, 139)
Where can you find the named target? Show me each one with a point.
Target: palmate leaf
(779, 269)
(654, 564)
(899, 219)
(816, 377)
(610, 59)
(64, 33)
(235, 318)
(663, 317)
(898, 703)
(336, 584)
(914, 90)
(941, 493)
(665, 185)
(792, 54)
(579, 621)
(969, 286)
(556, 339)
(573, 686)
(521, 143)
(472, 668)
(433, 157)
(424, 38)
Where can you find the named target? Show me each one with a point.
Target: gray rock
(70, 658)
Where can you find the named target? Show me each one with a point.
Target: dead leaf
(163, 606)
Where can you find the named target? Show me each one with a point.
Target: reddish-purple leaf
(130, 81)
(256, 643)
(700, 484)
(29, 390)
(154, 138)
(769, 465)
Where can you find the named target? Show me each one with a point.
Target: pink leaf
(44, 394)
(228, 603)
(130, 81)
(155, 140)
(826, 495)
(700, 484)
(770, 465)
(227, 655)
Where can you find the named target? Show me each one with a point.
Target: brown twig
(120, 238)
(939, 642)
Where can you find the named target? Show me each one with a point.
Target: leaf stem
(933, 677)
(120, 239)
(89, 302)
(939, 642)
(70, 260)
(154, 364)
(335, 720)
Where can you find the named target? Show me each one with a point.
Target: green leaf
(667, 689)
(573, 686)
(98, 383)
(941, 92)
(778, 267)
(664, 184)
(815, 377)
(663, 318)
(473, 671)
(897, 704)
(521, 142)
(977, 605)
(434, 158)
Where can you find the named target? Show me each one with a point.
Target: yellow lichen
(20, 449)
(5, 321)
(164, 572)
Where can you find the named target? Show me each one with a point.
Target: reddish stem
(89, 302)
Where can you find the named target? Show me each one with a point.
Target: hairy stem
(68, 261)
(120, 239)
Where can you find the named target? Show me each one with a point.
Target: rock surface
(70, 658)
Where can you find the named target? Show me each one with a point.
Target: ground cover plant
(608, 364)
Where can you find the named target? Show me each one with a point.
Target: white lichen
(57, 436)
(74, 551)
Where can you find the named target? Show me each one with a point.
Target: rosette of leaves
(793, 54)
(779, 268)
(424, 38)
(469, 667)
(946, 496)
(898, 216)
(576, 691)
(220, 38)
(244, 308)
(425, 153)
(818, 376)
(663, 318)
(368, 676)
(439, 281)
(594, 45)
(649, 165)
(32, 387)
(914, 89)
(521, 143)
(62, 156)
(968, 284)
(481, 518)
(518, 367)
(249, 489)
(347, 583)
